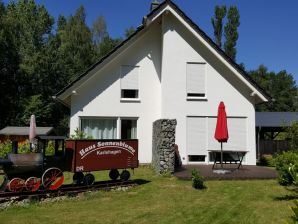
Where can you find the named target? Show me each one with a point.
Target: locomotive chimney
(15, 147)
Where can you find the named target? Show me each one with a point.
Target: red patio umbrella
(221, 132)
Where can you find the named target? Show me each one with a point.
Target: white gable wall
(180, 47)
(100, 95)
(161, 54)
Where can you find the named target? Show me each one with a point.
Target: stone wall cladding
(163, 145)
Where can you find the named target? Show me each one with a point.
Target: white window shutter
(129, 77)
(195, 82)
(237, 134)
(196, 136)
(237, 129)
(213, 144)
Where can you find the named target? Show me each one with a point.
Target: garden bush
(5, 148)
(197, 180)
(266, 160)
(282, 163)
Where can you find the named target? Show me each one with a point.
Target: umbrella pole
(221, 155)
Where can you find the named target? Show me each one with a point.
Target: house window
(100, 128)
(196, 158)
(129, 82)
(195, 79)
(196, 139)
(129, 93)
(237, 127)
(128, 129)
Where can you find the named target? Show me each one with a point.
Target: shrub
(80, 135)
(292, 134)
(197, 180)
(266, 160)
(282, 164)
(5, 148)
(24, 147)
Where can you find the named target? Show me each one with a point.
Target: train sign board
(91, 155)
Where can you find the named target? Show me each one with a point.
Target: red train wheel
(32, 184)
(16, 185)
(52, 178)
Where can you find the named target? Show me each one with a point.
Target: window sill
(130, 100)
(193, 98)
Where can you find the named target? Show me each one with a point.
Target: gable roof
(262, 93)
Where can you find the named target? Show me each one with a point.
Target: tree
(76, 50)
(36, 105)
(26, 27)
(231, 33)
(281, 87)
(99, 30)
(129, 31)
(217, 23)
(107, 45)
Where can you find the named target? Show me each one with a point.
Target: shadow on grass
(286, 197)
(141, 181)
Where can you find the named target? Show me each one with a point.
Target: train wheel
(114, 174)
(52, 178)
(78, 178)
(32, 184)
(89, 179)
(125, 175)
(16, 185)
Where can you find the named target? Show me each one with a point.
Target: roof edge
(220, 51)
(192, 25)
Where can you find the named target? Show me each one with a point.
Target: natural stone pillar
(163, 145)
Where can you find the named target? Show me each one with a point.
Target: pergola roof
(12, 130)
(275, 119)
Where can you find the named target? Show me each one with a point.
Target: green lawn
(165, 200)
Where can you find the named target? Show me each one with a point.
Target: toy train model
(41, 169)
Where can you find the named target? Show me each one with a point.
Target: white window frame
(138, 89)
(198, 98)
(118, 123)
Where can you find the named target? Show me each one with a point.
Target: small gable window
(129, 82)
(195, 79)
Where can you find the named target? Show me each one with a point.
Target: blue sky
(268, 33)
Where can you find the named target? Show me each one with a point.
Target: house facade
(168, 68)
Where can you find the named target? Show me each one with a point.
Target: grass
(165, 200)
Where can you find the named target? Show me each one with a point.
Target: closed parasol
(221, 131)
(32, 130)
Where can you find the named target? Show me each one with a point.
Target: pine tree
(217, 23)
(231, 33)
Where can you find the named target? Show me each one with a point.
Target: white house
(169, 68)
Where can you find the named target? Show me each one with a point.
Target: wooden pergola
(270, 124)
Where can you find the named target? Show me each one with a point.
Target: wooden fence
(273, 146)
